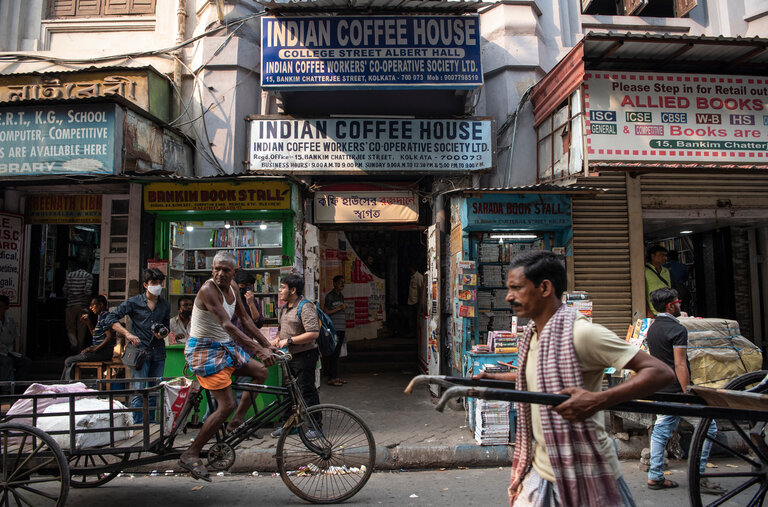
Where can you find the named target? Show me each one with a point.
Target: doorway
(55, 249)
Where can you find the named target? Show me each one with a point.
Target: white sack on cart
(86, 421)
(176, 395)
(25, 405)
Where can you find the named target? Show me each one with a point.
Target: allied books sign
(637, 116)
(217, 196)
(366, 206)
(354, 145)
(47, 140)
(371, 52)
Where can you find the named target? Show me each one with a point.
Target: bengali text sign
(371, 51)
(362, 206)
(669, 117)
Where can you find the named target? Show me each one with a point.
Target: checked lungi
(208, 357)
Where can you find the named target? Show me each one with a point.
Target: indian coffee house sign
(637, 116)
(217, 196)
(63, 209)
(379, 206)
(375, 145)
(518, 211)
(371, 52)
(11, 248)
(47, 140)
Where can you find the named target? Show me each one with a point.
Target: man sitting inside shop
(103, 345)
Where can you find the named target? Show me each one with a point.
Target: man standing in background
(335, 308)
(656, 276)
(78, 286)
(415, 297)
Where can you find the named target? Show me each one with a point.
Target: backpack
(327, 339)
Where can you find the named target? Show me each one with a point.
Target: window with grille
(95, 8)
(652, 8)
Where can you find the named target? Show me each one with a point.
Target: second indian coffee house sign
(637, 116)
(370, 145)
(371, 52)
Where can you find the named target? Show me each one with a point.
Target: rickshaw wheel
(747, 483)
(81, 477)
(221, 456)
(33, 470)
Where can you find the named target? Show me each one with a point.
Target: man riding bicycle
(217, 349)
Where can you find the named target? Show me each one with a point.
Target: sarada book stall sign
(353, 145)
(11, 249)
(217, 196)
(363, 206)
(638, 116)
(518, 211)
(63, 209)
(371, 52)
(47, 140)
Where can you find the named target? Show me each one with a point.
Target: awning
(649, 53)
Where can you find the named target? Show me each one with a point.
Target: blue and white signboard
(370, 145)
(517, 212)
(45, 140)
(371, 52)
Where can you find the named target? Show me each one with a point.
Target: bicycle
(325, 453)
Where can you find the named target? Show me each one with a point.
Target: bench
(103, 369)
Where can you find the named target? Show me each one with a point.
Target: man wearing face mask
(145, 310)
(180, 323)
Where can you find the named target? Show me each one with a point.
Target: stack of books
(502, 342)
(492, 417)
(580, 301)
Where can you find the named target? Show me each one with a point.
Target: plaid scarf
(582, 473)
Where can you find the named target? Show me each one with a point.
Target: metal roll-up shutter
(681, 191)
(601, 251)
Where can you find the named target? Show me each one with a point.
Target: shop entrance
(55, 250)
(710, 262)
(375, 261)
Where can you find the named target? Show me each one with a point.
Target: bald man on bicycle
(217, 349)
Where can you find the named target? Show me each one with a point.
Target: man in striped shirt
(78, 286)
(103, 345)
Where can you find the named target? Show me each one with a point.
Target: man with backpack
(298, 333)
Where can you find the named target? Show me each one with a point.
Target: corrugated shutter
(681, 191)
(601, 251)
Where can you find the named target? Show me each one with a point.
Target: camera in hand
(159, 329)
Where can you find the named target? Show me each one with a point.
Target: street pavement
(448, 487)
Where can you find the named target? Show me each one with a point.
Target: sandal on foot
(665, 484)
(196, 469)
(335, 382)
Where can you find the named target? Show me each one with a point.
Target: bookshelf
(257, 246)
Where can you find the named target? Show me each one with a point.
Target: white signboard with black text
(370, 145)
(635, 116)
(365, 206)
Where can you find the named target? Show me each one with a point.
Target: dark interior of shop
(59, 248)
(710, 259)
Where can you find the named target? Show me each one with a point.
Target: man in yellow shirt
(656, 276)
(563, 455)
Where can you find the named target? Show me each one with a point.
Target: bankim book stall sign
(371, 52)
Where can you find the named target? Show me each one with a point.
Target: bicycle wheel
(84, 469)
(331, 456)
(33, 470)
(747, 483)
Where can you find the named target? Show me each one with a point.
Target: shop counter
(174, 367)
